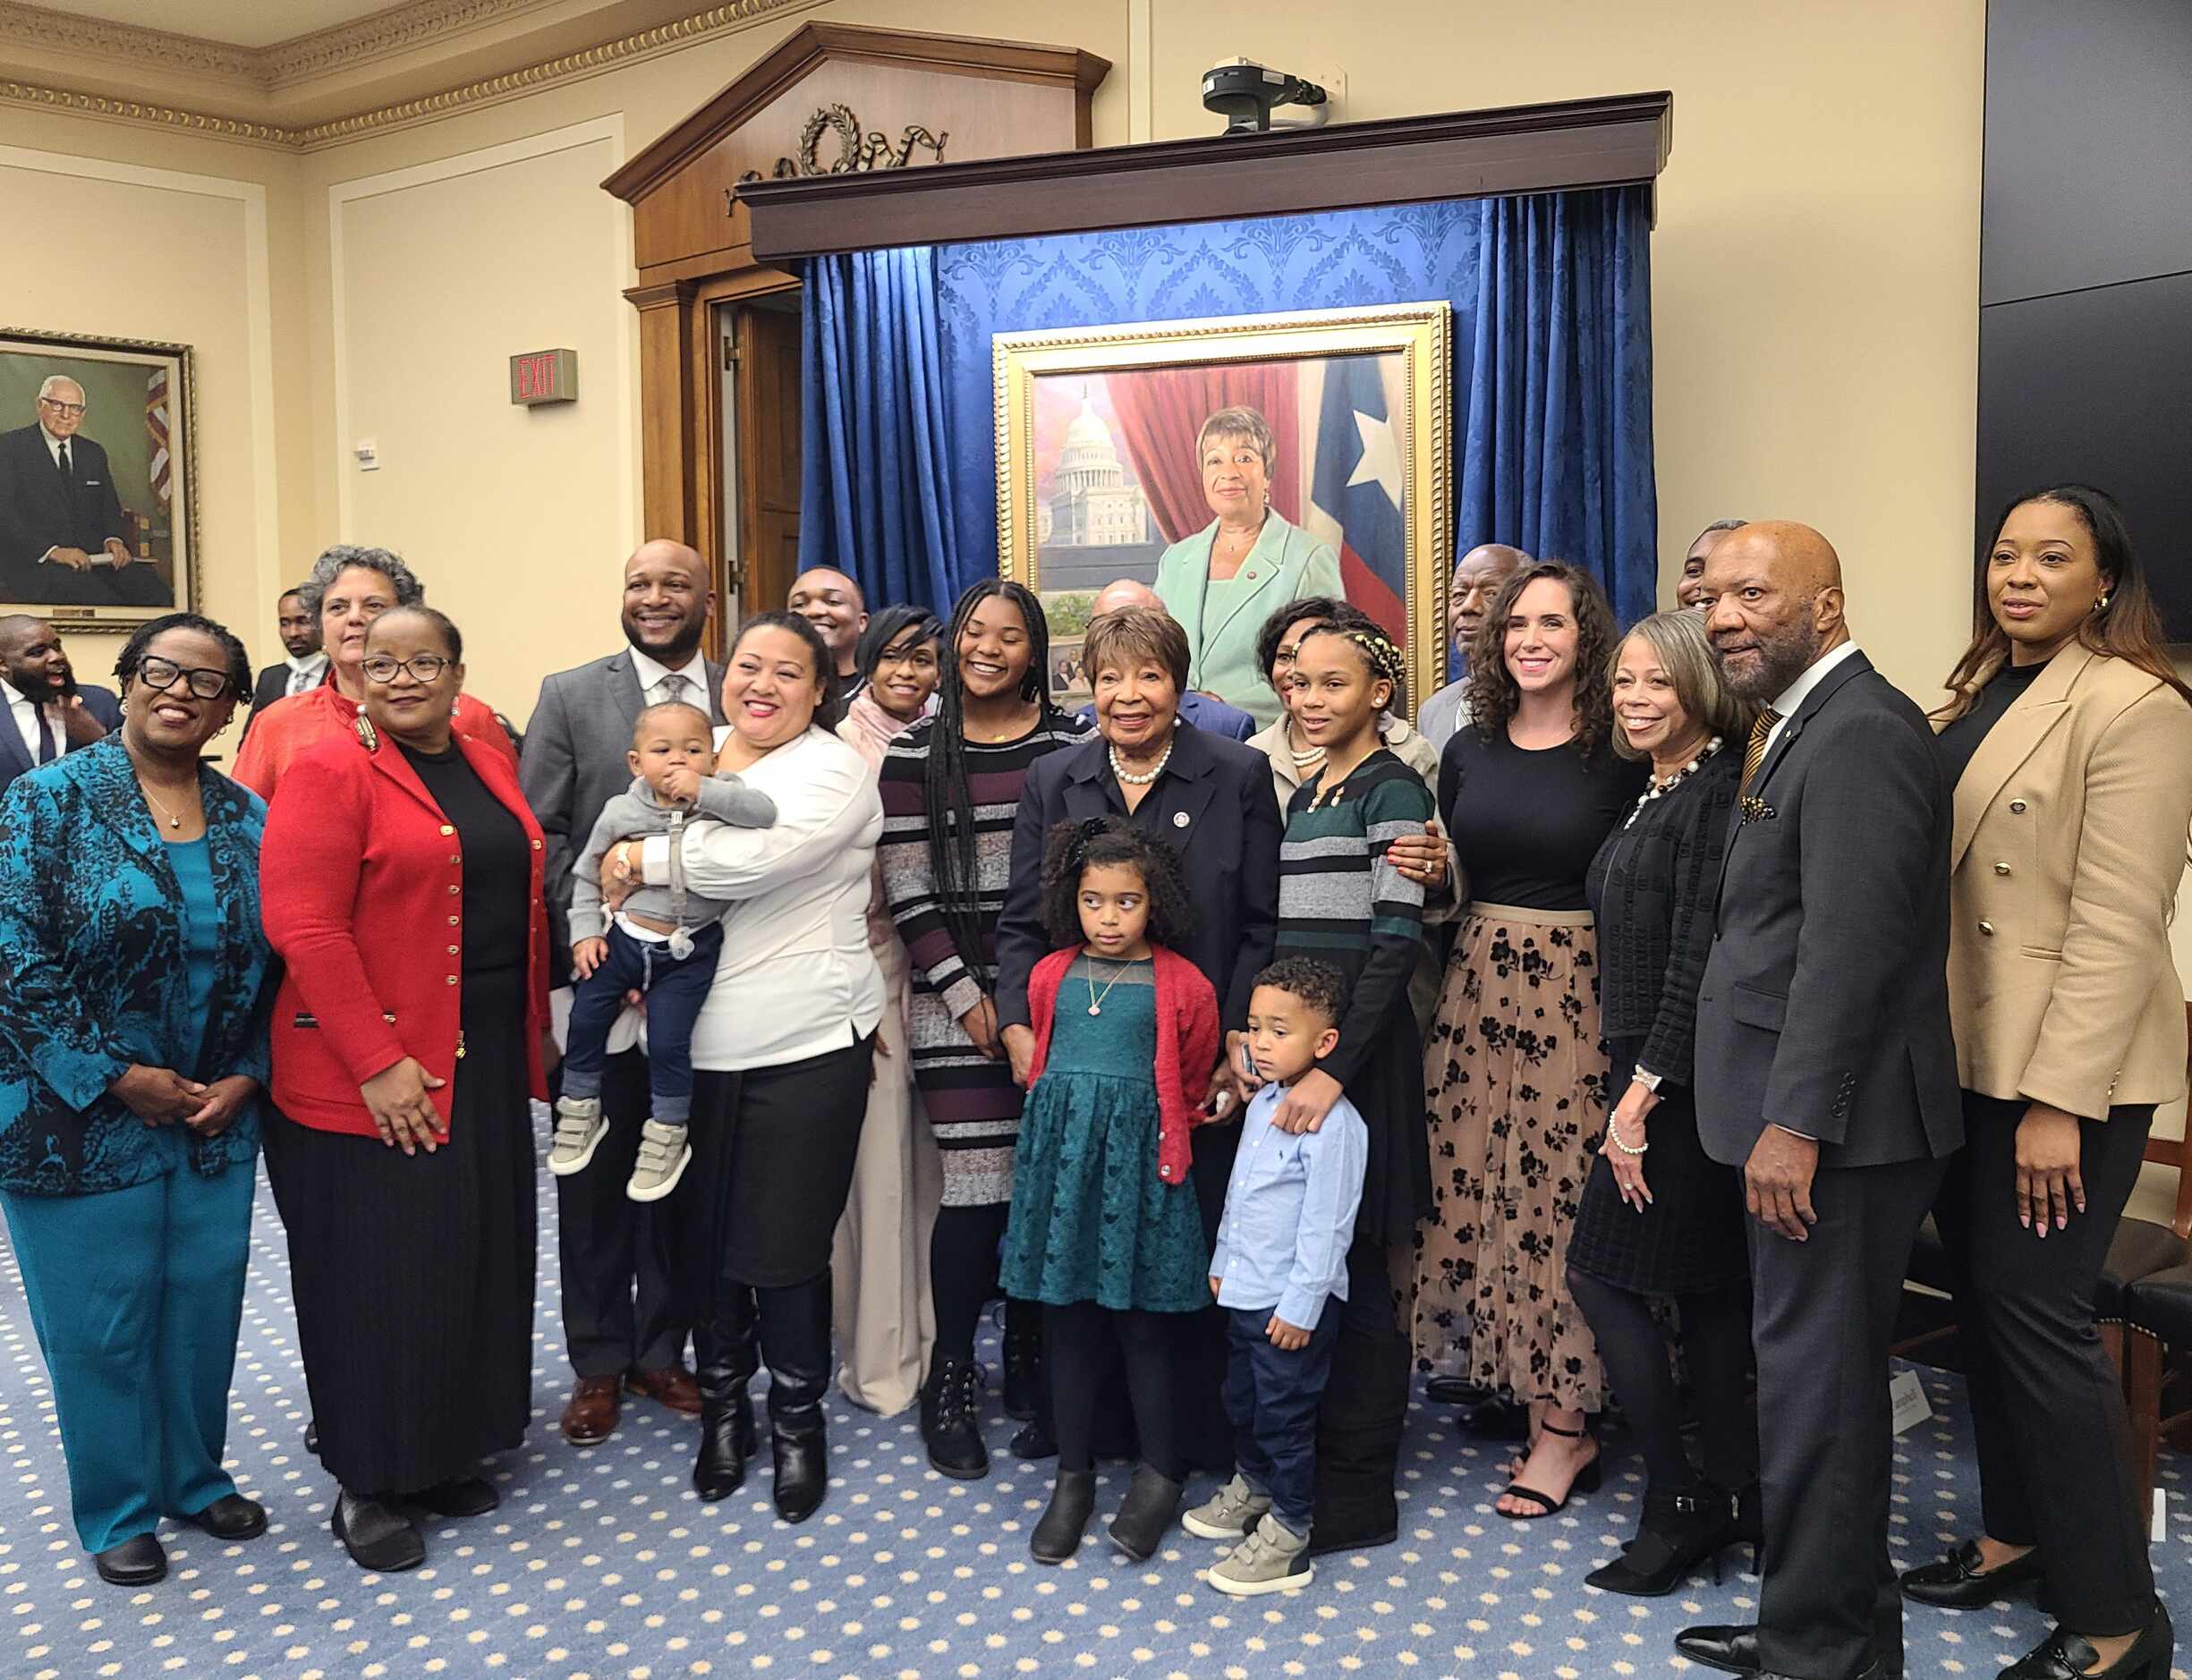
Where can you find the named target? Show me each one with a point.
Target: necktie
(672, 688)
(1755, 755)
(46, 746)
(68, 473)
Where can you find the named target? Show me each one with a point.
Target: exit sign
(543, 376)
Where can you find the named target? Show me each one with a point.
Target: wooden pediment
(836, 98)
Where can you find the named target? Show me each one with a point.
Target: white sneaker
(661, 1161)
(1273, 1558)
(579, 1131)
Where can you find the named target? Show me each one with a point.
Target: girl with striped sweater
(1343, 901)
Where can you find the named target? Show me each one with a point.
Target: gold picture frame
(134, 452)
(1067, 510)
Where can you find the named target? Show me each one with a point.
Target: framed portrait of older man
(1232, 465)
(97, 496)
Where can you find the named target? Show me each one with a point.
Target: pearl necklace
(1132, 780)
(1659, 788)
(1301, 761)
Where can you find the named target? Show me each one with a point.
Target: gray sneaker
(1229, 1514)
(1273, 1558)
(661, 1162)
(579, 1131)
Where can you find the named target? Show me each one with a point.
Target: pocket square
(1756, 810)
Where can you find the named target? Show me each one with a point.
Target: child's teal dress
(1090, 1219)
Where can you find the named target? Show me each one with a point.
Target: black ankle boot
(795, 1342)
(1023, 1362)
(727, 1359)
(1152, 1500)
(1680, 1528)
(1073, 1501)
(950, 1422)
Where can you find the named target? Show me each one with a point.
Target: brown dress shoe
(673, 1385)
(591, 1417)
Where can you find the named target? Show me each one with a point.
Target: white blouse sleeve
(831, 808)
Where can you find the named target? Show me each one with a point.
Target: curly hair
(1318, 987)
(1073, 848)
(1493, 695)
(336, 561)
(1317, 607)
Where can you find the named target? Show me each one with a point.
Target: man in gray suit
(622, 1322)
(1825, 1071)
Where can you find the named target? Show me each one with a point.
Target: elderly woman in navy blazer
(132, 1051)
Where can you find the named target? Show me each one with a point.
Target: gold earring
(2101, 606)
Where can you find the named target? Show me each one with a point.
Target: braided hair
(951, 802)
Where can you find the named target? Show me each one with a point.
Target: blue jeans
(675, 988)
(1272, 1397)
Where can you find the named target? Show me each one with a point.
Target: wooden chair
(2153, 1310)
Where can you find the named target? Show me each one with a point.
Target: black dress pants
(2047, 1410)
(1822, 1319)
(620, 1307)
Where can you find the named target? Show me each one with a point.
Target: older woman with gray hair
(350, 587)
(1223, 581)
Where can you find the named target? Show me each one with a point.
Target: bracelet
(1614, 1132)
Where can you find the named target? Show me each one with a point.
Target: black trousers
(1364, 1410)
(620, 1304)
(1822, 1319)
(2047, 1410)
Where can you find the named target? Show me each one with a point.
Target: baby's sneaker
(661, 1162)
(579, 1131)
(1229, 1514)
(1273, 1558)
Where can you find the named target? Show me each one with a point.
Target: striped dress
(973, 1105)
(1341, 902)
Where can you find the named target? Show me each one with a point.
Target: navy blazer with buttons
(15, 757)
(1213, 805)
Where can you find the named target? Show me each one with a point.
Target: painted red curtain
(1161, 409)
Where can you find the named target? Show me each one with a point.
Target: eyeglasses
(73, 410)
(426, 667)
(159, 675)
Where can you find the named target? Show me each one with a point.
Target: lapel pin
(1179, 819)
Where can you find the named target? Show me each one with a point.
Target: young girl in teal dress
(1104, 1228)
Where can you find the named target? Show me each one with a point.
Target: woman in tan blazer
(2069, 737)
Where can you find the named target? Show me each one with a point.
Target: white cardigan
(796, 978)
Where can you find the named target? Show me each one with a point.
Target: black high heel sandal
(2066, 1656)
(1681, 1528)
(1586, 1481)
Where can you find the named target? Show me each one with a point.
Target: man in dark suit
(1825, 1071)
(61, 526)
(622, 1319)
(306, 667)
(48, 714)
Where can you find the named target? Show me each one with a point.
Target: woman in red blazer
(401, 885)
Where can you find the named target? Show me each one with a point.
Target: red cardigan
(1187, 1039)
(359, 883)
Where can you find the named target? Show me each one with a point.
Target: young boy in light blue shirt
(1280, 1265)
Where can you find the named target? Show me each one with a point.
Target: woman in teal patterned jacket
(132, 1051)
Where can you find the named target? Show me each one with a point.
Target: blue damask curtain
(875, 466)
(1552, 374)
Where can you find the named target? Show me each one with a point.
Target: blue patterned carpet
(602, 1563)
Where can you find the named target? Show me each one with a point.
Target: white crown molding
(610, 54)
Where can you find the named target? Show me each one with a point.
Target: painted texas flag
(1356, 489)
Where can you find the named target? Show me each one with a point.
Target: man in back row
(306, 668)
(47, 713)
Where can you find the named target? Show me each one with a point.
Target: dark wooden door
(766, 382)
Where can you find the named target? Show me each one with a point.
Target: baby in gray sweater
(662, 943)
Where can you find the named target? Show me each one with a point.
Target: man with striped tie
(621, 1322)
(1824, 1069)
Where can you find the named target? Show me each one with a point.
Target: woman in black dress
(400, 881)
(1668, 1223)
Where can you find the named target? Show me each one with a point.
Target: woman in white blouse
(781, 1056)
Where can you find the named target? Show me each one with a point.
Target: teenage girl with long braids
(950, 786)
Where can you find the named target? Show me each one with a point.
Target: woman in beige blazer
(2069, 737)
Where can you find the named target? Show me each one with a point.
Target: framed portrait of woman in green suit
(1233, 464)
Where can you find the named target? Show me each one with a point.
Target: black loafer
(138, 1562)
(1957, 1582)
(460, 1496)
(377, 1536)
(1032, 1442)
(2066, 1656)
(232, 1517)
(1734, 1650)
